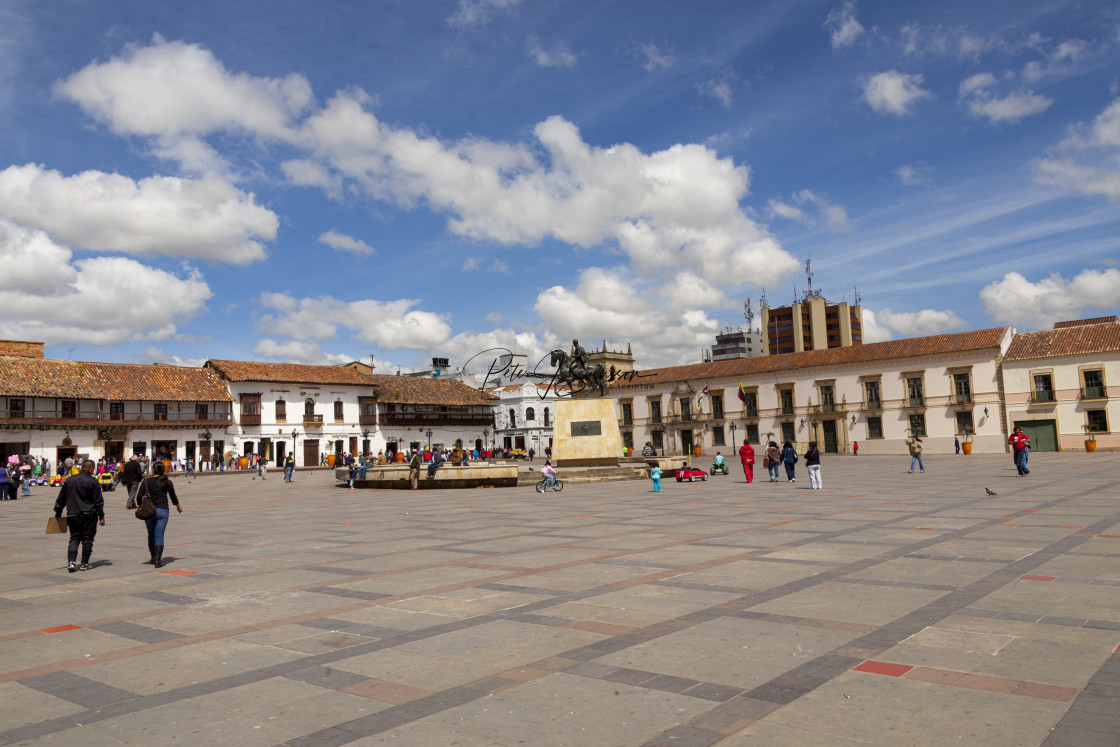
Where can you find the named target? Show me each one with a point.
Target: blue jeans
(25, 487)
(1021, 462)
(156, 525)
(773, 469)
(657, 485)
(917, 459)
(288, 474)
(789, 470)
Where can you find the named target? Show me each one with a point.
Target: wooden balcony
(440, 419)
(367, 419)
(70, 419)
(312, 421)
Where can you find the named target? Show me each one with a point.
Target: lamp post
(815, 424)
(365, 438)
(294, 434)
(734, 442)
(428, 433)
(485, 437)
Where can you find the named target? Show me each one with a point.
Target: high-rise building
(811, 324)
(736, 342)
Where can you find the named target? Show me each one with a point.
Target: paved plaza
(887, 608)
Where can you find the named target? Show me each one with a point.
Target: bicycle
(545, 484)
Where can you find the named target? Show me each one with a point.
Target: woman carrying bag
(156, 490)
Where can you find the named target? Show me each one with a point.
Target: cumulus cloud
(918, 172)
(873, 331)
(655, 57)
(1017, 301)
(99, 301)
(156, 355)
(1088, 161)
(473, 13)
(200, 218)
(893, 92)
(843, 27)
(345, 243)
(558, 56)
(721, 86)
(834, 217)
(978, 94)
(475, 264)
(918, 323)
(391, 325)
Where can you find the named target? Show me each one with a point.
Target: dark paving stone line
(365, 596)
(521, 589)
(168, 598)
(79, 690)
(328, 623)
(332, 569)
(685, 736)
(1093, 712)
(897, 584)
(6, 603)
(137, 632)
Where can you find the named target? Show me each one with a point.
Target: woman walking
(789, 458)
(159, 489)
(773, 459)
(813, 465)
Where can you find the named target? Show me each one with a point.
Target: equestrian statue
(576, 367)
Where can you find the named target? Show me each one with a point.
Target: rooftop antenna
(809, 277)
(748, 313)
(856, 291)
(762, 301)
(70, 353)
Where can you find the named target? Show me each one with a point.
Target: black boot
(158, 561)
(152, 552)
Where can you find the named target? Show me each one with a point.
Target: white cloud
(842, 25)
(873, 331)
(893, 92)
(202, 218)
(1017, 301)
(99, 301)
(977, 93)
(918, 323)
(155, 355)
(833, 216)
(1062, 59)
(656, 58)
(721, 86)
(918, 172)
(1088, 161)
(391, 325)
(474, 264)
(473, 13)
(558, 56)
(345, 243)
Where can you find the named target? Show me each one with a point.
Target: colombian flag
(742, 393)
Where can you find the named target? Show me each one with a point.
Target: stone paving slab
(887, 608)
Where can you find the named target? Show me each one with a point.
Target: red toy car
(691, 474)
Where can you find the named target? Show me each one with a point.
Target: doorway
(1042, 433)
(310, 452)
(281, 453)
(686, 443)
(62, 453)
(828, 427)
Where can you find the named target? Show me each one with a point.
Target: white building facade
(524, 415)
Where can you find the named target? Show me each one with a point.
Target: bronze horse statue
(569, 371)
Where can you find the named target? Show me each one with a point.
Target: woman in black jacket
(813, 466)
(159, 489)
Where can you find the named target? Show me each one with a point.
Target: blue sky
(318, 183)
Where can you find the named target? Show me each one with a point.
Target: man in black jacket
(131, 477)
(85, 509)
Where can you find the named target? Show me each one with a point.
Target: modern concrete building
(1061, 385)
(813, 323)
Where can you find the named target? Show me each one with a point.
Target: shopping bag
(57, 525)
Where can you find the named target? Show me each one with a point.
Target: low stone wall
(395, 477)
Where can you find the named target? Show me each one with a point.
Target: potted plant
(1091, 441)
(966, 445)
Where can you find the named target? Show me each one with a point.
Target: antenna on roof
(70, 353)
(855, 290)
(748, 313)
(809, 277)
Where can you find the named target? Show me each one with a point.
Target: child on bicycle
(548, 473)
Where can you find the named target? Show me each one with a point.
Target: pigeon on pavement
(989, 492)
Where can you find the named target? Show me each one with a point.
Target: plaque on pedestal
(586, 433)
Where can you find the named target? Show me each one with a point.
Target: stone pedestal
(586, 433)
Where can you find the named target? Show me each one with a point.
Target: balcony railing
(1042, 397)
(693, 417)
(254, 419)
(1094, 392)
(915, 402)
(873, 404)
(750, 412)
(441, 418)
(367, 418)
(787, 409)
(67, 417)
(310, 419)
(962, 399)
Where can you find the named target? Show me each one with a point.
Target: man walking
(1020, 442)
(746, 456)
(289, 467)
(132, 476)
(85, 509)
(915, 444)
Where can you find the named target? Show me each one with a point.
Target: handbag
(146, 509)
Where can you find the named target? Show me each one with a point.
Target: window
(628, 439)
(828, 402)
(160, 410)
(512, 418)
(914, 395)
(547, 422)
(871, 395)
(655, 411)
(627, 413)
(752, 433)
(658, 439)
(338, 417)
(918, 425)
(786, 396)
(116, 411)
(717, 436)
(751, 405)
(717, 406)
(962, 388)
(788, 433)
(1094, 384)
(201, 411)
(16, 408)
(964, 421)
(70, 408)
(874, 427)
(686, 409)
(530, 414)
(1097, 421)
(281, 411)
(309, 406)
(1043, 388)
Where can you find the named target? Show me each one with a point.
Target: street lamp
(429, 435)
(485, 438)
(733, 429)
(814, 423)
(294, 434)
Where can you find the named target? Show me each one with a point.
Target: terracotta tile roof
(867, 353)
(416, 391)
(111, 381)
(287, 373)
(514, 388)
(1051, 343)
(1084, 322)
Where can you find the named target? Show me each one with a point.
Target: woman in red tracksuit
(746, 456)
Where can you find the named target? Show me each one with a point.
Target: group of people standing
(84, 503)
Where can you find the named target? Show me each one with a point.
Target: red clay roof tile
(110, 381)
(1052, 343)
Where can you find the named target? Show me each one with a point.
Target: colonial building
(315, 410)
(1057, 385)
(58, 409)
(524, 414)
(940, 387)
